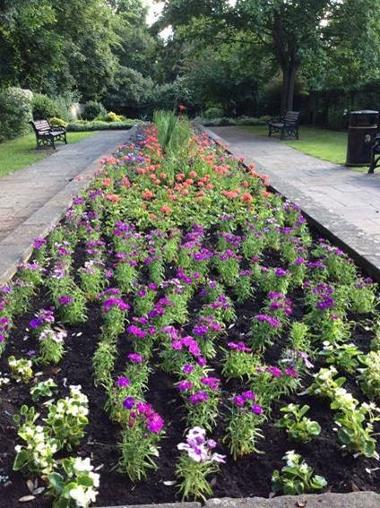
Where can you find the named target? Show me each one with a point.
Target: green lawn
(20, 153)
(321, 143)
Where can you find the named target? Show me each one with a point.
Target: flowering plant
(298, 426)
(197, 463)
(74, 485)
(296, 477)
(244, 425)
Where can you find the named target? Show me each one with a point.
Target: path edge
(17, 247)
(358, 244)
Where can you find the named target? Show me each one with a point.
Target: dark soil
(250, 476)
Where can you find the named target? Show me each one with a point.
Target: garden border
(351, 500)
(328, 224)
(17, 247)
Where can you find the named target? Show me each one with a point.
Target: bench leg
(269, 131)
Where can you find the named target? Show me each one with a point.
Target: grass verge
(20, 152)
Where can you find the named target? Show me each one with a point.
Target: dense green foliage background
(247, 57)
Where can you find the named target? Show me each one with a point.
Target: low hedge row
(97, 125)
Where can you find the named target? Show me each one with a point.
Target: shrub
(15, 112)
(45, 107)
(113, 117)
(214, 112)
(57, 122)
(98, 125)
(92, 110)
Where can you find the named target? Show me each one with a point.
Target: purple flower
(188, 368)
(201, 361)
(200, 330)
(184, 386)
(112, 302)
(211, 382)
(123, 381)
(257, 410)
(2, 338)
(136, 331)
(291, 372)
(275, 371)
(249, 395)
(38, 243)
(155, 423)
(280, 272)
(239, 346)
(135, 358)
(65, 300)
(129, 402)
(239, 400)
(265, 318)
(198, 397)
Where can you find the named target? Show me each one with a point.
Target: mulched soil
(250, 476)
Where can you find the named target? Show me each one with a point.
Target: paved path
(343, 201)
(33, 200)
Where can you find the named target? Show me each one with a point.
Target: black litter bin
(362, 129)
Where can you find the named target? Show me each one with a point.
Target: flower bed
(182, 333)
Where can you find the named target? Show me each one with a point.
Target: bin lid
(364, 112)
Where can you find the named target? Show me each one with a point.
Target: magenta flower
(136, 331)
(275, 371)
(257, 410)
(249, 395)
(212, 382)
(239, 400)
(184, 386)
(188, 368)
(135, 358)
(155, 423)
(123, 381)
(198, 397)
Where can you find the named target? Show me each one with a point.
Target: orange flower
(247, 198)
(125, 182)
(193, 174)
(147, 194)
(141, 171)
(107, 182)
(114, 198)
(166, 210)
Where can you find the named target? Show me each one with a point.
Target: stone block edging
(351, 500)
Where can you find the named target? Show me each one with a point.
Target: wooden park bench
(46, 135)
(286, 125)
(375, 155)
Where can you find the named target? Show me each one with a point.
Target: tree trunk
(289, 75)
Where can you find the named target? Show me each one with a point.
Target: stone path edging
(351, 500)
(16, 247)
(363, 248)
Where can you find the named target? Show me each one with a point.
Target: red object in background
(182, 108)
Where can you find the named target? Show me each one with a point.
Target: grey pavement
(33, 200)
(342, 201)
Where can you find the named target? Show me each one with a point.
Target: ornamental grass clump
(197, 462)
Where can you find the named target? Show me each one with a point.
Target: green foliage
(15, 112)
(57, 122)
(296, 477)
(299, 427)
(213, 112)
(98, 125)
(174, 133)
(45, 107)
(92, 110)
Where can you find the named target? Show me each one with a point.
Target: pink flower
(155, 423)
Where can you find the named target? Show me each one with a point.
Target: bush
(214, 112)
(113, 117)
(57, 122)
(92, 110)
(98, 125)
(15, 112)
(45, 107)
